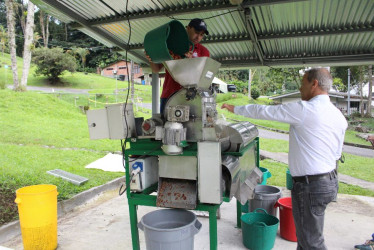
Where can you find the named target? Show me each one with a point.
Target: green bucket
(289, 182)
(265, 175)
(259, 230)
(171, 36)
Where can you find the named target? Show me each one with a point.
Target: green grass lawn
(40, 132)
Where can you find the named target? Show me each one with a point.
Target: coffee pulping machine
(189, 157)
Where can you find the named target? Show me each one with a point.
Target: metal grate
(73, 178)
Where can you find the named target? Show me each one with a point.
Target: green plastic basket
(259, 230)
(170, 36)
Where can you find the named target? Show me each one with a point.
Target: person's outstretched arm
(228, 107)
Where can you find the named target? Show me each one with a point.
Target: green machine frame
(148, 147)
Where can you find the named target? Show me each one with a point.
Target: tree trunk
(21, 15)
(370, 93)
(66, 32)
(29, 35)
(47, 31)
(44, 28)
(12, 40)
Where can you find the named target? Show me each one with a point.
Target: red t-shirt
(171, 86)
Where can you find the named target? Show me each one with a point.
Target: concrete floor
(103, 223)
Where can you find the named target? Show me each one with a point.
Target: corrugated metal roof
(255, 33)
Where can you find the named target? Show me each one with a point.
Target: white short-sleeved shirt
(317, 131)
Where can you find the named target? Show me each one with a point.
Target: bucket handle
(197, 226)
(18, 200)
(263, 210)
(268, 174)
(260, 223)
(193, 47)
(141, 226)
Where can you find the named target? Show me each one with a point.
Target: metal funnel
(193, 72)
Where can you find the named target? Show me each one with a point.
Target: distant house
(340, 100)
(119, 70)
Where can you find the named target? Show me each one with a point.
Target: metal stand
(148, 147)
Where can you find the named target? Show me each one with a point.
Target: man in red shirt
(196, 30)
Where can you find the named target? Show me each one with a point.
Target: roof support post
(253, 35)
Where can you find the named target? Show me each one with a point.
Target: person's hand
(188, 54)
(228, 107)
(148, 57)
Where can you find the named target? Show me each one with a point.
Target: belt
(317, 177)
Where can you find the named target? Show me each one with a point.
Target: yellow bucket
(37, 209)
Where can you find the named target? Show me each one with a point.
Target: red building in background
(119, 70)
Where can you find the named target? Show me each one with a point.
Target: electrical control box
(114, 122)
(148, 173)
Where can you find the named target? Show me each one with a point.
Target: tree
(52, 62)
(82, 53)
(12, 40)
(29, 36)
(44, 28)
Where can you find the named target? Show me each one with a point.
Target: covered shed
(242, 34)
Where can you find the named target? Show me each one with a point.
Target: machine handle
(141, 226)
(197, 227)
(263, 210)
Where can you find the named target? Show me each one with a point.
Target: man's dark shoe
(368, 245)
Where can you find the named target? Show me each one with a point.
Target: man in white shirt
(317, 131)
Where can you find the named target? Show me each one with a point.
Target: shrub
(255, 92)
(52, 62)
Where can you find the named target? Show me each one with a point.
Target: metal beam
(68, 12)
(292, 34)
(357, 59)
(247, 3)
(325, 32)
(195, 9)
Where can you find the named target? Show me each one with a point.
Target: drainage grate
(73, 178)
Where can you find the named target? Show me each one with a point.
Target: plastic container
(259, 230)
(170, 229)
(289, 182)
(170, 36)
(265, 175)
(265, 197)
(37, 209)
(287, 224)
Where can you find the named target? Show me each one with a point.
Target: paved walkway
(364, 152)
(103, 223)
(283, 157)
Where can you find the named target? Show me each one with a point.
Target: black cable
(205, 18)
(123, 143)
